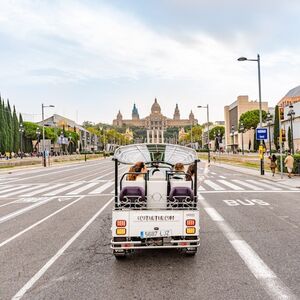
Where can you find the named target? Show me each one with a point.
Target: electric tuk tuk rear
(159, 211)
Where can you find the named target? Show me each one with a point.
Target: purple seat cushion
(132, 191)
(181, 192)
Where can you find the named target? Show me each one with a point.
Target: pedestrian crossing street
(59, 189)
(208, 184)
(93, 187)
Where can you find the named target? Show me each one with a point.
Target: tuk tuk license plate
(155, 233)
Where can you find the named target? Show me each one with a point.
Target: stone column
(153, 141)
(162, 136)
(148, 136)
(157, 136)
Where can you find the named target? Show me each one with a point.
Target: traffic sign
(261, 134)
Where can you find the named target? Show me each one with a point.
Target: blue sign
(261, 134)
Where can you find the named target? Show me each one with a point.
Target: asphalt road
(55, 237)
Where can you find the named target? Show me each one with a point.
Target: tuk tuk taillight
(121, 231)
(190, 230)
(190, 222)
(121, 223)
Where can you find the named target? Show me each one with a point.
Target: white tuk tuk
(159, 211)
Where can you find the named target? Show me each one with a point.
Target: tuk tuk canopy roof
(168, 153)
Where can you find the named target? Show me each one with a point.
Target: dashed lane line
(274, 287)
(53, 259)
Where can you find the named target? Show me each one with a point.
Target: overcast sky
(91, 58)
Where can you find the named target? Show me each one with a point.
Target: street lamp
(207, 117)
(262, 171)
(232, 138)
(38, 134)
(61, 142)
(269, 122)
(43, 121)
(242, 128)
(21, 130)
(291, 114)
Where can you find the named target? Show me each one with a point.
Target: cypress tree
(16, 138)
(9, 127)
(5, 127)
(276, 128)
(1, 128)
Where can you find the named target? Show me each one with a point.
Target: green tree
(276, 128)
(250, 119)
(2, 149)
(5, 127)
(9, 127)
(15, 127)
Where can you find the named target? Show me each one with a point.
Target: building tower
(135, 113)
(119, 119)
(176, 113)
(192, 117)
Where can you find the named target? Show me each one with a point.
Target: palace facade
(156, 120)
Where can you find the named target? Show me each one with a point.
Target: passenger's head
(131, 177)
(179, 167)
(140, 167)
(191, 169)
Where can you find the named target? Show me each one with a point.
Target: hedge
(296, 162)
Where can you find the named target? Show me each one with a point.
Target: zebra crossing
(241, 185)
(50, 190)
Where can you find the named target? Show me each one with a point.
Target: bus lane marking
(245, 202)
(273, 285)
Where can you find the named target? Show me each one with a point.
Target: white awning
(168, 153)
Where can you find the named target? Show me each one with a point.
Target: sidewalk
(290, 182)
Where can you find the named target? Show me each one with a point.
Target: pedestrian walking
(289, 164)
(273, 164)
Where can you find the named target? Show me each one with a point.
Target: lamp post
(262, 171)
(291, 114)
(38, 134)
(269, 122)
(232, 138)
(43, 121)
(207, 117)
(242, 128)
(70, 142)
(21, 130)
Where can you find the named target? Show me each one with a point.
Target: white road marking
(213, 173)
(102, 188)
(17, 187)
(231, 185)
(5, 186)
(213, 185)
(215, 216)
(248, 191)
(48, 188)
(222, 176)
(22, 191)
(246, 184)
(53, 259)
(8, 203)
(38, 222)
(64, 189)
(264, 185)
(275, 288)
(83, 188)
(23, 210)
(280, 185)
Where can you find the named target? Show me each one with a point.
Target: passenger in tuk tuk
(138, 167)
(178, 171)
(190, 173)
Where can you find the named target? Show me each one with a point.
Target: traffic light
(283, 136)
(281, 113)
